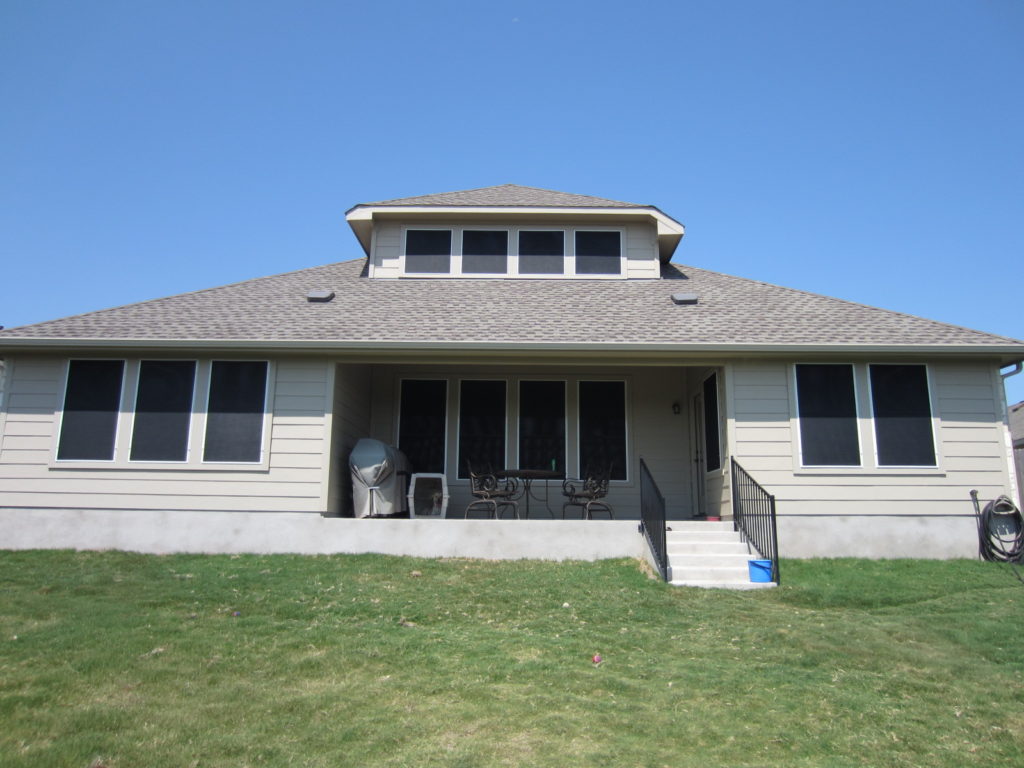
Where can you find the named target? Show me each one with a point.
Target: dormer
(513, 232)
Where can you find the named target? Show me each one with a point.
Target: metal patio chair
(491, 493)
(588, 494)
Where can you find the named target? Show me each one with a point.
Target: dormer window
(598, 253)
(428, 251)
(541, 252)
(485, 251)
(465, 251)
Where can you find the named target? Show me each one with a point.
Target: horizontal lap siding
(351, 422)
(293, 481)
(969, 439)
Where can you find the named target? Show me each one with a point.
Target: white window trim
(135, 409)
(933, 418)
(197, 424)
(568, 256)
(857, 420)
(865, 429)
(118, 424)
(265, 435)
(622, 253)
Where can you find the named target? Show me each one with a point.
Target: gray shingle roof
(731, 311)
(508, 196)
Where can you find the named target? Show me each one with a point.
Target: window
(712, 439)
(903, 416)
(163, 410)
(481, 426)
(541, 252)
(428, 251)
(485, 251)
(827, 407)
(598, 253)
(92, 403)
(602, 428)
(542, 425)
(234, 412)
(422, 420)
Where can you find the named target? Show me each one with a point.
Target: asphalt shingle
(730, 311)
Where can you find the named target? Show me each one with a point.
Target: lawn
(118, 660)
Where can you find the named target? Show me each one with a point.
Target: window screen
(481, 426)
(92, 402)
(542, 425)
(903, 416)
(234, 414)
(827, 405)
(484, 251)
(541, 252)
(163, 410)
(597, 253)
(423, 414)
(428, 251)
(602, 427)
(712, 440)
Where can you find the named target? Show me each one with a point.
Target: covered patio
(563, 420)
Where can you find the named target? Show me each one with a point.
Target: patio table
(528, 476)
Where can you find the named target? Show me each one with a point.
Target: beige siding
(352, 387)
(969, 441)
(292, 479)
(640, 245)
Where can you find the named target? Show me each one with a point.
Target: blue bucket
(760, 571)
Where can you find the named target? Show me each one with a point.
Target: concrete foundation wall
(878, 536)
(166, 532)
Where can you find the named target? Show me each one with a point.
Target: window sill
(869, 472)
(158, 466)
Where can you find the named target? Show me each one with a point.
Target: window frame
(869, 466)
(599, 275)
(264, 426)
(118, 421)
(197, 422)
(512, 271)
(857, 418)
(719, 432)
(135, 410)
(932, 416)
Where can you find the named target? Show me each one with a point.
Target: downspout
(1008, 438)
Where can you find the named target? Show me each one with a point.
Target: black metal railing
(753, 512)
(652, 519)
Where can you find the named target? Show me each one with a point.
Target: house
(1016, 416)
(515, 327)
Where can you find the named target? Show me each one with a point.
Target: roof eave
(1006, 354)
(360, 218)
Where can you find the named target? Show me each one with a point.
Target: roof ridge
(852, 303)
(452, 198)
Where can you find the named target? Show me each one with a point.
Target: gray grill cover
(380, 474)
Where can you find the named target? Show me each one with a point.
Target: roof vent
(684, 298)
(320, 296)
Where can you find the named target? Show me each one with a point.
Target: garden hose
(1000, 530)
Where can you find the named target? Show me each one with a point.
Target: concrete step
(710, 555)
(708, 547)
(699, 525)
(713, 560)
(720, 585)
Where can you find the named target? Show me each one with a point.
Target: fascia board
(670, 231)
(1006, 353)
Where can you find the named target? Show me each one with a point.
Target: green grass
(118, 660)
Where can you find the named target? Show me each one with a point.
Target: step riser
(717, 548)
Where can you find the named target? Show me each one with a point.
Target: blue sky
(866, 150)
